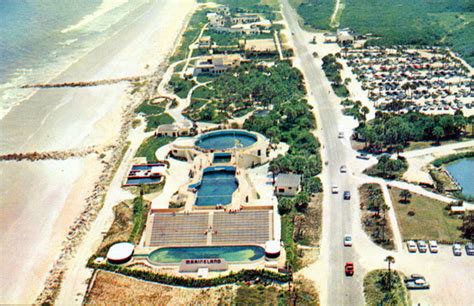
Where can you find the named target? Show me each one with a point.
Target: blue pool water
(216, 187)
(141, 167)
(139, 181)
(220, 158)
(226, 139)
(229, 253)
(463, 171)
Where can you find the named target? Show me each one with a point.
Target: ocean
(40, 38)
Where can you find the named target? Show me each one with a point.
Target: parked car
(363, 156)
(416, 281)
(433, 245)
(422, 247)
(343, 169)
(412, 277)
(457, 251)
(340, 135)
(347, 195)
(348, 240)
(411, 246)
(334, 189)
(470, 248)
(349, 268)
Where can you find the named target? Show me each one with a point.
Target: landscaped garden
(377, 290)
(374, 215)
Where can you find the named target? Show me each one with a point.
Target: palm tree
(405, 195)
(390, 260)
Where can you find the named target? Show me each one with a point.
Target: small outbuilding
(287, 184)
(120, 252)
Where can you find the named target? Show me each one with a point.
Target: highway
(337, 289)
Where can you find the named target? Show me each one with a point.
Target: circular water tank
(120, 252)
(272, 249)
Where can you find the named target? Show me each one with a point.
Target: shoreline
(155, 38)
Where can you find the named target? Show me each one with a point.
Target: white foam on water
(104, 8)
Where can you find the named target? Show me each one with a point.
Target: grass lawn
(430, 222)
(152, 122)
(375, 292)
(418, 145)
(149, 146)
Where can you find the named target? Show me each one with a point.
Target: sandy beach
(40, 200)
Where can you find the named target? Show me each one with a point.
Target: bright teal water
(216, 187)
(463, 171)
(223, 140)
(229, 253)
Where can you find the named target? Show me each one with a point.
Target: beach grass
(150, 145)
(430, 221)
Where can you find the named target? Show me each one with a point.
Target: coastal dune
(41, 199)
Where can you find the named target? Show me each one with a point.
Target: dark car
(349, 268)
(469, 248)
(416, 281)
(347, 195)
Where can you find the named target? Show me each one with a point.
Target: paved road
(339, 290)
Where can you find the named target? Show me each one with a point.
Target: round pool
(245, 253)
(225, 140)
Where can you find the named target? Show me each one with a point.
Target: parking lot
(448, 275)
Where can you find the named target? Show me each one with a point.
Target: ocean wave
(105, 7)
(68, 42)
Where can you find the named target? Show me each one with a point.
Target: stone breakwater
(95, 201)
(88, 83)
(55, 155)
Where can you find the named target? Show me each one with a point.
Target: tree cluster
(395, 131)
(388, 168)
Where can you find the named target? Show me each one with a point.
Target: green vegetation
(395, 131)
(401, 22)
(388, 168)
(264, 7)
(450, 158)
(374, 215)
(241, 276)
(376, 290)
(425, 218)
(140, 212)
(332, 69)
(128, 225)
(152, 122)
(198, 20)
(154, 114)
(181, 87)
(317, 13)
(149, 146)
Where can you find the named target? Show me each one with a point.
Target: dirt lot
(114, 289)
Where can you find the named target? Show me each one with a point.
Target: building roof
(288, 180)
(167, 128)
(120, 251)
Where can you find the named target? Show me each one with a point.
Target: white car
(340, 135)
(457, 250)
(433, 245)
(343, 169)
(411, 246)
(348, 240)
(422, 247)
(334, 189)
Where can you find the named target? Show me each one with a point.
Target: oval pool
(245, 253)
(225, 140)
(463, 171)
